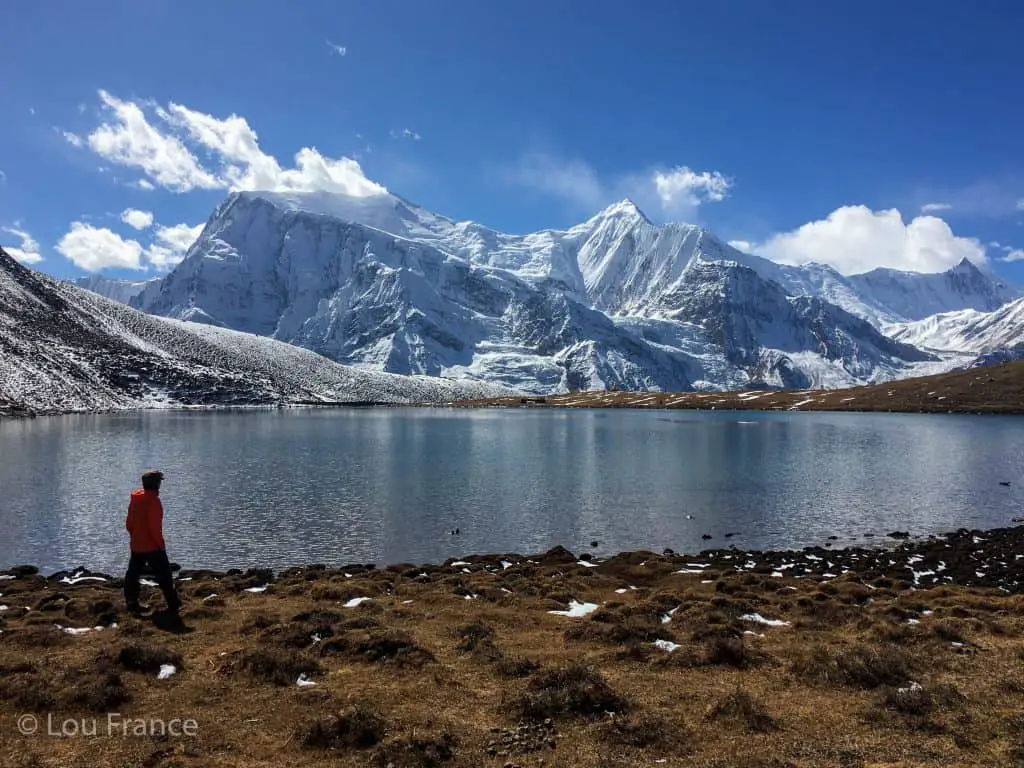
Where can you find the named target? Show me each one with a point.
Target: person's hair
(151, 482)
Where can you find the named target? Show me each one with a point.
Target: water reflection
(284, 487)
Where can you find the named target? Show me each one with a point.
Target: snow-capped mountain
(916, 295)
(967, 330)
(613, 302)
(63, 348)
(118, 290)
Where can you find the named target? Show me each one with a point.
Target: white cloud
(935, 207)
(28, 251)
(137, 219)
(171, 244)
(742, 245)
(1020, 204)
(132, 141)
(1013, 254)
(73, 139)
(683, 190)
(31, 110)
(677, 192)
(340, 50)
(162, 153)
(405, 133)
(95, 248)
(855, 239)
(3, 177)
(145, 184)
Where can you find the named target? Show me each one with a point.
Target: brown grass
(445, 681)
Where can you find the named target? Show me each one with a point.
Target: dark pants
(161, 567)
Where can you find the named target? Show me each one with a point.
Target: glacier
(617, 301)
(66, 349)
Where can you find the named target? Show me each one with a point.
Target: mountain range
(614, 302)
(63, 348)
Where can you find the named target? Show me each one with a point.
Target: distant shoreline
(994, 389)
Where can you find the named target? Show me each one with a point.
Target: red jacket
(145, 521)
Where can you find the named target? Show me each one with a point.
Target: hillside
(990, 389)
(63, 348)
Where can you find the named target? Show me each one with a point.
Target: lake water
(278, 488)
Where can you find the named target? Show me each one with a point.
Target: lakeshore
(902, 655)
(994, 389)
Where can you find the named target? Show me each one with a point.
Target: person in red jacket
(145, 527)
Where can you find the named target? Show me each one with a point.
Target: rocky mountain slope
(967, 330)
(613, 302)
(916, 295)
(63, 348)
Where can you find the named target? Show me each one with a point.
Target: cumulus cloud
(95, 248)
(339, 50)
(162, 152)
(170, 244)
(1014, 254)
(130, 140)
(935, 207)
(855, 239)
(676, 192)
(681, 189)
(742, 245)
(137, 219)
(27, 252)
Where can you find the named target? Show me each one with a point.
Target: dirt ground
(868, 657)
(991, 389)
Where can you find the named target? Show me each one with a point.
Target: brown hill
(990, 389)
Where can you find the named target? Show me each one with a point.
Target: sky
(856, 134)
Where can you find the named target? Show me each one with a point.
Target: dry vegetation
(865, 671)
(991, 389)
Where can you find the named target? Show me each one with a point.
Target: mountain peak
(965, 265)
(625, 207)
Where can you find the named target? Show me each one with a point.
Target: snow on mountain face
(122, 291)
(915, 295)
(613, 302)
(967, 330)
(63, 348)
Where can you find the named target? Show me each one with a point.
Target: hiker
(145, 527)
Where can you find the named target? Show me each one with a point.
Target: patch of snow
(576, 609)
(666, 645)
(759, 619)
(166, 670)
(356, 601)
(587, 563)
(304, 681)
(262, 588)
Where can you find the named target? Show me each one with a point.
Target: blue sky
(867, 134)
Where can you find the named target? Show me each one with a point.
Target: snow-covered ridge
(615, 301)
(63, 348)
(967, 330)
(118, 290)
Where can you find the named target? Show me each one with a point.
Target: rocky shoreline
(990, 559)
(904, 655)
